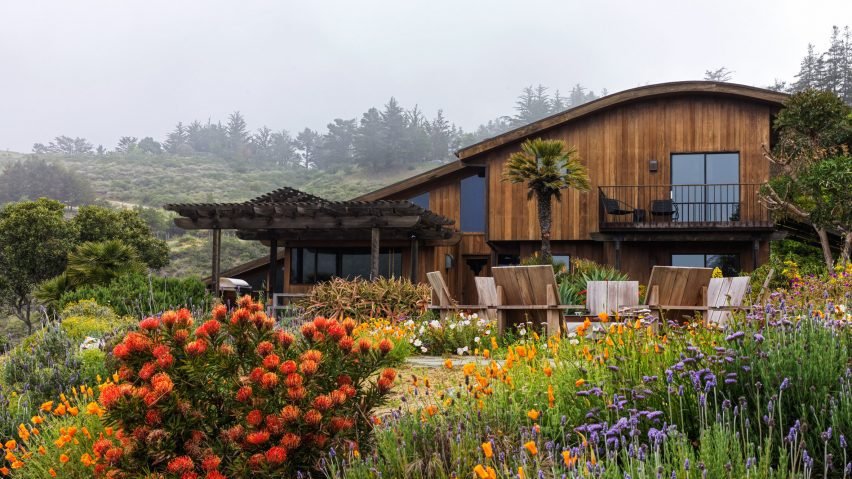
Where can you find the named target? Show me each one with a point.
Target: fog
(103, 69)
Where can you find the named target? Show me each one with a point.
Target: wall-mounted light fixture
(652, 166)
(449, 261)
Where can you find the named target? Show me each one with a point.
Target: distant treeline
(390, 136)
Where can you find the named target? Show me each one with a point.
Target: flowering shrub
(58, 440)
(235, 397)
(457, 334)
(340, 298)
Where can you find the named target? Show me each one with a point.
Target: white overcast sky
(103, 69)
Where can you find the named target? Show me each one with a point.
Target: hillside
(127, 180)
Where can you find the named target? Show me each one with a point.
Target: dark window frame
(299, 274)
(480, 225)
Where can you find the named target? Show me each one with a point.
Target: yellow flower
(579, 382)
(11, 444)
(480, 472)
(568, 458)
(530, 446)
(486, 449)
(47, 406)
(18, 464)
(42, 450)
(52, 472)
(468, 369)
(37, 420)
(547, 370)
(493, 342)
(87, 460)
(73, 410)
(448, 364)
(63, 458)
(533, 414)
(60, 410)
(521, 474)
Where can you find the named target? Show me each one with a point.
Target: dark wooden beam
(348, 235)
(243, 223)
(217, 250)
(272, 283)
(415, 252)
(690, 237)
(374, 254)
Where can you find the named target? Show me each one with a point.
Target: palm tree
(548, 167)
(99, 262)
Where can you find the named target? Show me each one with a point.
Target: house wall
(616, 145)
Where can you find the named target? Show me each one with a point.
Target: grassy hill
(127, 180)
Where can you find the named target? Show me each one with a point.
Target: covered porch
(288, 217)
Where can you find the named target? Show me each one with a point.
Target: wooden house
(675, 170)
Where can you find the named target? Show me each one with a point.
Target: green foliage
(38, 178)
(34, 244)
(93, 369)
(97, 224)
(360, 298)
(138, 295)
(572, 287)
(98, 263)
(40, 368)
(807, 258)
(89, 319)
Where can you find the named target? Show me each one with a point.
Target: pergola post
(217, 250)
(273, 271)
(374, 254)
(415, 246)
(618, 254)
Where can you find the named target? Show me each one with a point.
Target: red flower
(320, 322)
(160, 350)
(276, 455)
(219, 312)
(312, 355)
(121, 351)
(209, 328)
(245, 301)
(180, 336)
(385, 346)
(169, 318)
(349, 390)
(271, 362)
(349, 325)
(180, 464)
(113, 455)
(318, 337)
(384, 384)
(256, 461)
(254, 418)
(291, 441)
(147, 370)
(323, 402)
(288, 367)
(197, 347)
(184, 317)
(162, 383)
(264, 348)
(240, 316)
(284, 338)
(341, 423)
(313, 417)
(274, 424)
(215, 475)
(389, 373)
(256, 374)
(290, 413)
(269, 380)
(244, 394)
(343, 379)
(101, 446)
(211, 463)
(336, 331)
(308, 367)
(364, 345)
(149, 324)
(345, 344)
(257, 438)
(338, 396)
(293, 380)
(297, 393)
(110, 395)
(308, 330)
(165, 361)
(152, 417)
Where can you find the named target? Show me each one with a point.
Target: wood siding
(616, 146)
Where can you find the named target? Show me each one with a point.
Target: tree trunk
(544, 221)
(826, 248)
(847, 248)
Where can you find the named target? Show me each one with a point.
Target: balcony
(716, 207)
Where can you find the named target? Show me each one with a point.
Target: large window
(313, 265)
(705, 186)
(473, 204)
(421, 200)
(728, 263)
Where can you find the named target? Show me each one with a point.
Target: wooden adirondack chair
(442, 301)
(529, 293)
(611, 297)
(724, 295)
(675, 288)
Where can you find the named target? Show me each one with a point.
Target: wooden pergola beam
(341, 223)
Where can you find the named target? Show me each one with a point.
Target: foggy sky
(103, 69)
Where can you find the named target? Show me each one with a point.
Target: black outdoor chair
(615, 207)
(664, 209)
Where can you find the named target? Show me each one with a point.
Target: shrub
(87, 318)
(139, 295)
(457, 334)
(238, 396)
(93, 368)
(392, 298)
(572, 287)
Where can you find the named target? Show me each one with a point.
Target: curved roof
(681, 88)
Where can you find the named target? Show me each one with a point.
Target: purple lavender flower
(785, 383)
(843, 441)
(734, 336)
(758, 338)
(826, 435)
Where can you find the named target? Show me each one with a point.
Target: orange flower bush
(236, 397)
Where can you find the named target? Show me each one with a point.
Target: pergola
(287, 214)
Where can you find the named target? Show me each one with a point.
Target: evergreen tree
(533, 104)
(394, 130)
(148, 145)
(126, 144)
(176, 139)
(368, 139)
(284, 149)
(237, 134)
(336, 148)
(261, 145)
(720, 74)
(307, 142)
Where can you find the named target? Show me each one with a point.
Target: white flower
(435, 324)
(417, 343)
(408, 323)
(421, 330)
(573, 341)
(453, 326)
(461, 351)
(476, 340)
(488, 332)
(522, 332)
(572, 334)
(474, 316)
(423, 349)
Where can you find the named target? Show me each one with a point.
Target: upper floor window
(421, 200)
(473, 204)
(705, 186)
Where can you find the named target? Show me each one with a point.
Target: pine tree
(176, 138)
(307, 142)
(237, 135)
(368, 139)
(394, 132)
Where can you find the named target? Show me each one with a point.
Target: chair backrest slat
(440, 292)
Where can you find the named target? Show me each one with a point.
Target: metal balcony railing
(668, 207)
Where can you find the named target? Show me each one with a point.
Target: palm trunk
(544, 221)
